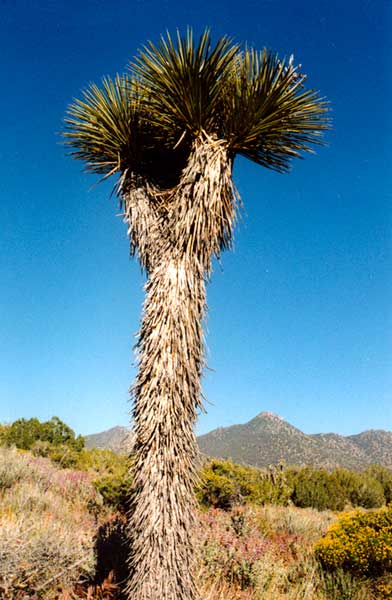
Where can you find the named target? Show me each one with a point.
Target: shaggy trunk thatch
(176, 239)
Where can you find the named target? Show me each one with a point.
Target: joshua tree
(171, 128)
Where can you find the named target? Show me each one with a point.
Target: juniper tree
(170, 129)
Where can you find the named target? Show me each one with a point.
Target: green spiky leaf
(182, 81)
(268, 115)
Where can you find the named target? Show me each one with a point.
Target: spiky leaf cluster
(183, 82)
(110, 130)
(145, 122)
(268, 115)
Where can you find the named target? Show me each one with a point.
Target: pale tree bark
(166, 393)
(176, 244)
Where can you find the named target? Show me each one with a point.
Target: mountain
(118, 439)
(268, 439)
(376, 443)
(264, 440)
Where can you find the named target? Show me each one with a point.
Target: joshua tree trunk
(195, 224)
(167, 392)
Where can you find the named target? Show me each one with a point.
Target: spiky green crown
(144, 123)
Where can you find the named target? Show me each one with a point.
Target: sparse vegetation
(224, 484)
(47, 526)
(253, 542)
(250, 554)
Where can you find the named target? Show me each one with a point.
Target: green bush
(217, 491)
(316, 488)
(24, 433)
(110, 474)
(114, 491)
(224, 484)
(384, 477)
(64, 456)
(3, 433)
(99, 461)
(40, 448)
(359, 542)
(360, 489)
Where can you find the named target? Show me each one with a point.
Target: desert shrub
(100, 462)
(224, 484)
(383, 587)
(41, 448)
(94, 460)
(359, 542)
(384, 476)
(360, 489)
(217, 491)
(340, 585)
(110, 476)
(248, 554)
(316, 488)
(47, 526)
(24, 433)
(114, 491)
(231, 547)
(307, 523)
(109, 472)
(12, 468)
(3, 433)
(370, 493)
(64, 456)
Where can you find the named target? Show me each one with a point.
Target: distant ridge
(118, 439)
(269, 439)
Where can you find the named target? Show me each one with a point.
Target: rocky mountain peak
(268, 439)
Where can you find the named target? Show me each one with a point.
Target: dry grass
(266, 553)
(49, 545)
(46, 527)
(306, 522)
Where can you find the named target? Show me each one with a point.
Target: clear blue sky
(299, 314)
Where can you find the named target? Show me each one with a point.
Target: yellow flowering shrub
(360, 542)
(383, 588)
